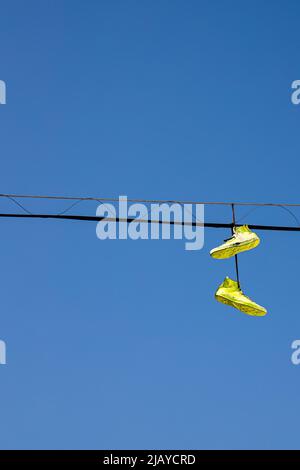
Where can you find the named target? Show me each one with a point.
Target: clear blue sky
(121, 344)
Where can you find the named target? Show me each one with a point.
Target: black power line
(87, 218)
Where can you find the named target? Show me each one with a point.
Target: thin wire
(194, 217)
(69, 208)
(279, 205)
(101, 201)
(248, 213)
(11, 198)
(59, 213)
(29, 196)
(291, 213)
(108, 209)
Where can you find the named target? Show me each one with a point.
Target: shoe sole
(235, 249)
(248, 309)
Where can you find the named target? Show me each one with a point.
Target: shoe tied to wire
(243, 239)
(229, 293)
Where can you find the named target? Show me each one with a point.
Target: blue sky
(121, 344)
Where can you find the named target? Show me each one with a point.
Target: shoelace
(241, 292)
(228, 239)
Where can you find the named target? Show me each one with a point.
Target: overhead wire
(18, 204)
(195, 223)
(149, 221)
(148, 201)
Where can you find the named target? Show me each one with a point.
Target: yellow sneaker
(229, 293)
(243, 239)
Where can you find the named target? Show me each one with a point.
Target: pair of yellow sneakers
(229, 292)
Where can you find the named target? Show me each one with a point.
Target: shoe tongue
(242, 229)
(230, 283)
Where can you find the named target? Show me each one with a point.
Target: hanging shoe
(229, 293)
(243, 239)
